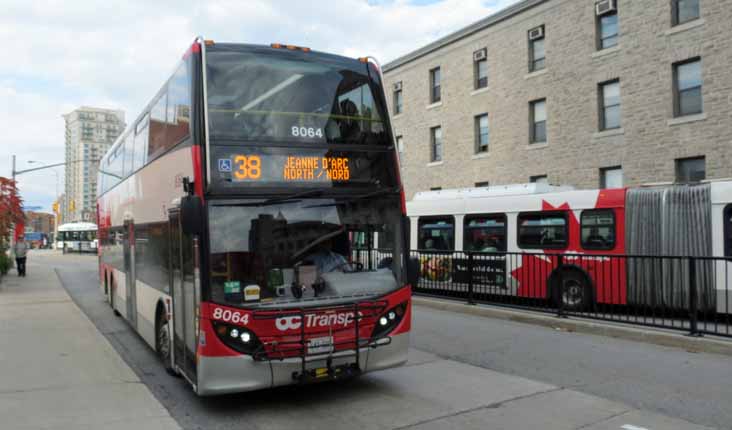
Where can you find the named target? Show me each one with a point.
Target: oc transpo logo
(324, 320)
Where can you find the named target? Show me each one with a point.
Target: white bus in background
(77, 237)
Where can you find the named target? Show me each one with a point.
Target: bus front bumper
(223, 375)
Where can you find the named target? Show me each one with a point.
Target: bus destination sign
(287, 168)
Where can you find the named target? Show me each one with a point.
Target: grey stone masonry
(646, 145)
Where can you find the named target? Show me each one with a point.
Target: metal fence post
(693, 300)
(559, 291)
(471, 299)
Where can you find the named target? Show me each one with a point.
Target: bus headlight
(389, 321)
(237, 338)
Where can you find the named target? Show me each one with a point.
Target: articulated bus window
(728, 231)
(598, 229)
(436, 234)
(484, 233)
(542, 230)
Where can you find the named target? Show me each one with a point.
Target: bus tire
(574, 292)
(163, 344)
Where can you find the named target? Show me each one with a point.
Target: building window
(539, 179)
(688, 87)
(481, 133)
(436, 144)
(480, 69)
(435, 188)
(398, 102)
(684, 11)
(609, 105)
(536, 49)
(482, 184)
(611, 177)
(597, 229)
(436, 233)
(607, 30)
(537, 113)
(542, 230)
(400, 144)
(690, 170)
(485, 233)
(435, 85)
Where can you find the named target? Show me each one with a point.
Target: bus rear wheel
(162, 343)
(573, 291)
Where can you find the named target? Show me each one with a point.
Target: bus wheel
(574, 291)
(162, 342)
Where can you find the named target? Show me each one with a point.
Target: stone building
(90, 132)
(587, 93)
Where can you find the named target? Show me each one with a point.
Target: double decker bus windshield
(257, 93)
(287, 251)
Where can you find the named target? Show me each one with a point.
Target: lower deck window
(437, 234)
(542, 230)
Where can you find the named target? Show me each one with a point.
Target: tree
(11, 210)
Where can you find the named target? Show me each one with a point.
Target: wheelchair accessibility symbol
(224, 165)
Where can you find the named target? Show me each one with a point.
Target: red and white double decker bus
(619, 246)
(233, 211)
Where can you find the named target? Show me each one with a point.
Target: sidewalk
(56, 370)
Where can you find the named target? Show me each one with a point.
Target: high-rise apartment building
(90, 132)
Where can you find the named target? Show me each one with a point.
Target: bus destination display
(286, 168)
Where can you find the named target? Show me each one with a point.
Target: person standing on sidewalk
(20, 249)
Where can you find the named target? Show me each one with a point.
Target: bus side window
(436, 233)
(728, 230)
(597, 229)
(543, 230)
(485, 233)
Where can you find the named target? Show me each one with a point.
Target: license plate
(320, 345)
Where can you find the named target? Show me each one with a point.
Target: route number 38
(227, 315)
(247, 167)
(310, 132)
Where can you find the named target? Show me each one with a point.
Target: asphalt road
(464, 372)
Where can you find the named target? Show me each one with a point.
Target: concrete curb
(668, 338)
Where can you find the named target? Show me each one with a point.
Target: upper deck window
(262, 94)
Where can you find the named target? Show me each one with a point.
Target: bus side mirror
(191, 215)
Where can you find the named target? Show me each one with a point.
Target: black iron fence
(692, 294)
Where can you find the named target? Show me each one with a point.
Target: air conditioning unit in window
(398, 86)
(480, 54)
(604, 6)
(536, 33)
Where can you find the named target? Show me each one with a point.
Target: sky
(62, 54)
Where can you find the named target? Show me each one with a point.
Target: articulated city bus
(619, 243)
(77, 237)
(232, 217)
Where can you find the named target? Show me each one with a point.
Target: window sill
(480, 155)
(435, 163)
(607, 51)
(535, 74)
(479, 91)
(687, 119)
(608, 133)
(684, 27)
(537, 145)
(434, 105)
(397, 116)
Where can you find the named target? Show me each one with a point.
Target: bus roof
(77, 226)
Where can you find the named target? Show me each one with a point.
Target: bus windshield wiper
(283, 199)
(361, 197)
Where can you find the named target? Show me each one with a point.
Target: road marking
(630, 427)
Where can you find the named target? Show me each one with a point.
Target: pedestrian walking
(20, 249)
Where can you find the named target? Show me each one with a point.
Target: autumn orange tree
(11, 210)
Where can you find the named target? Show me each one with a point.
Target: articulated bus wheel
(574, 291)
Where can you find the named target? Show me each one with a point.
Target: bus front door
(186, 299)
(130, 276)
